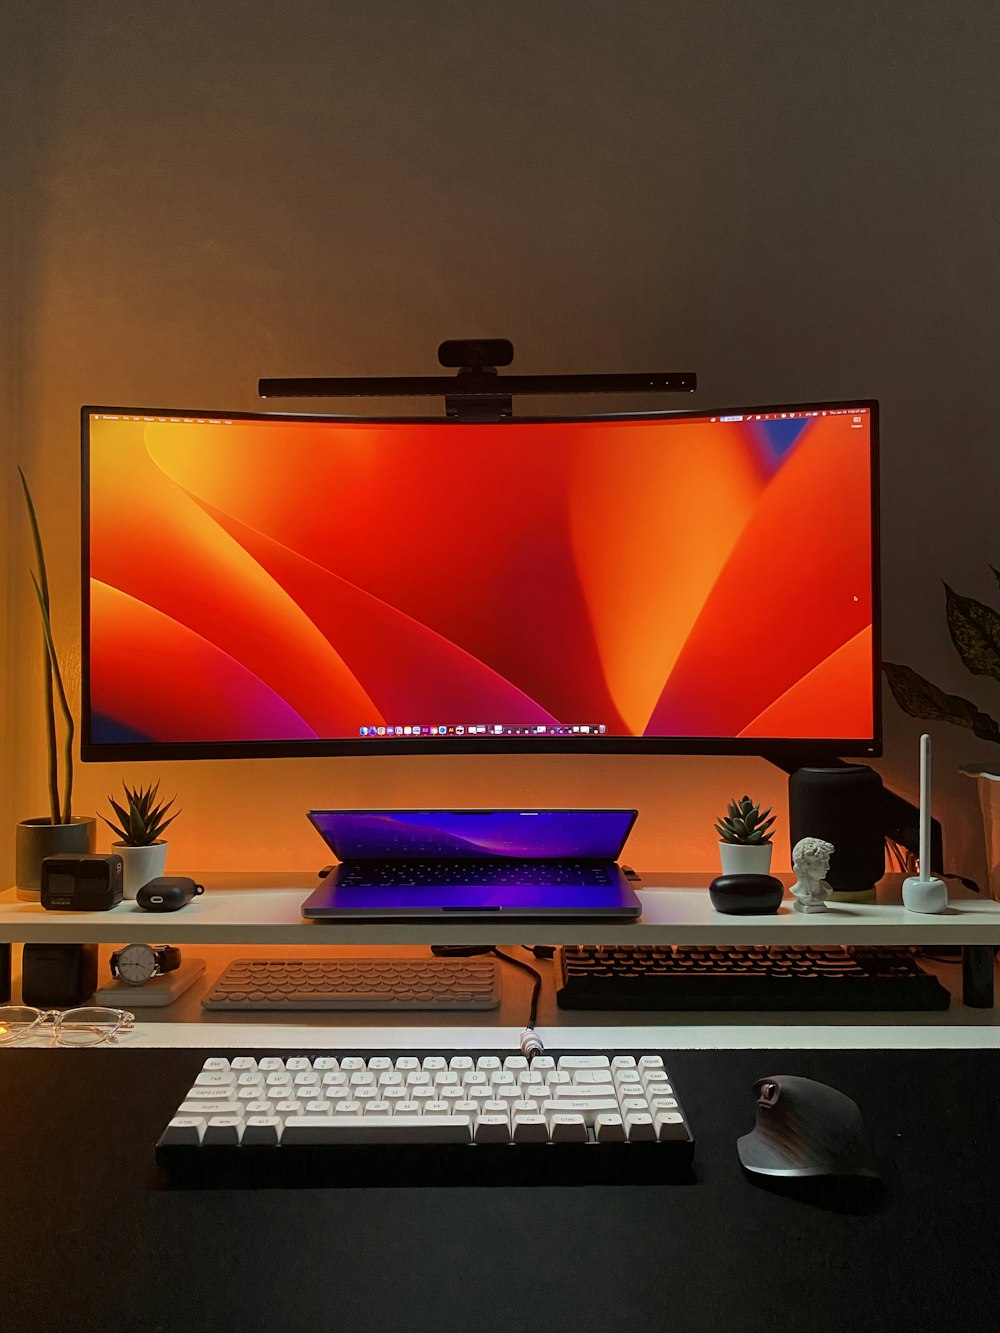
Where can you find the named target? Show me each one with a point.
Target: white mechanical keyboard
(243, 1111)
(357, 983)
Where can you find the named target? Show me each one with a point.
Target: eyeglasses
(63, 1027)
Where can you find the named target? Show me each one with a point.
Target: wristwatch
(138, 963)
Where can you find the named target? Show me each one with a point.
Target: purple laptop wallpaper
(471, 835)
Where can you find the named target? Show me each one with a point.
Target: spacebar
(344, 999)
(377, 1129)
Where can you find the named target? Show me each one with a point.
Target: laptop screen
(472, 835)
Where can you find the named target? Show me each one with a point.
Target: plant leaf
(919, 698)
(70, 725)
(121, 834)
(996, 573)
(136, 827)
(122, 816)
(155, 832)
(975, 632)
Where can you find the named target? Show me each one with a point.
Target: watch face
(136, 964)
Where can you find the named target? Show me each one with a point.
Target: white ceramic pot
(988, 786)
(745, 858)
(141, 864)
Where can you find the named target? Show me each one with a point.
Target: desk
(94, 1244)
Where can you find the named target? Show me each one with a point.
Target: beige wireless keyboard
(357, 983)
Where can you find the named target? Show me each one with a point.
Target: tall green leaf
(975, 632)
(50, 712)
(66, 814)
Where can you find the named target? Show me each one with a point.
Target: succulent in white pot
(140, 821)
(745, 838)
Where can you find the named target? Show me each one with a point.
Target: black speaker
(844, 806)
(58, 976)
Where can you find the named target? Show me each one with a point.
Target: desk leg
(977, 976)
(5, 973)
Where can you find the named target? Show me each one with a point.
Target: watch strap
(168, 957)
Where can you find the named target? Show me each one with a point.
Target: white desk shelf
(264, 909)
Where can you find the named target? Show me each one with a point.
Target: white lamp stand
(924, 892)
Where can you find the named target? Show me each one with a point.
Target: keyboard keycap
(215, 1079)
(565, 1127)
(184, 1129)
(378, 1129)
(639, 1127)
(577, 1106)
(209, 1108)
(492, 1129)
(264, 1131)
(531, 1129)
(222, 1129)
(669, 1126)
(609, 1127)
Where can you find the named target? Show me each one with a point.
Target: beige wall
(796, 204)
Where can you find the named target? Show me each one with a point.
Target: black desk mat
(90, 1240)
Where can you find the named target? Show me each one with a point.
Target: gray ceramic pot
(37, 839)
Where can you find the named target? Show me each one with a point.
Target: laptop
(473, 864)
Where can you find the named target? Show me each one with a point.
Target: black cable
(531, 1044)
(536, 989)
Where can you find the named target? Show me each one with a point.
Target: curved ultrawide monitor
(278, 585)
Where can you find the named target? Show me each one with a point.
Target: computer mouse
(167, 893)
(805, 1128)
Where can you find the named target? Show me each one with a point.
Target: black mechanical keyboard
(410, 874)
(412, 1118)
(686, 978)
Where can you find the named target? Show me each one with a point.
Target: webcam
(476, 353)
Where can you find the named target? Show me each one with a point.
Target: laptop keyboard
(461, 874)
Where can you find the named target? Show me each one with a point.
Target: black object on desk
(715, 978)
(168, 893)
(82, 883)
(746, 895)
(57, 976)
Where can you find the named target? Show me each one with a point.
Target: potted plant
(745, 838)
(60, 830)
(140, 821)
(975, 631)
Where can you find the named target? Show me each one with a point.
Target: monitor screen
(276, 584)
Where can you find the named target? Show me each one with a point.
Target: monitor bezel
(782, 750)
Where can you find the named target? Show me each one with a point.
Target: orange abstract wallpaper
(283, 580)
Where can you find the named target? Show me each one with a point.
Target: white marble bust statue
(811, 861)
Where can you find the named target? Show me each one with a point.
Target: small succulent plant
(744, 823)
(142, 822)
